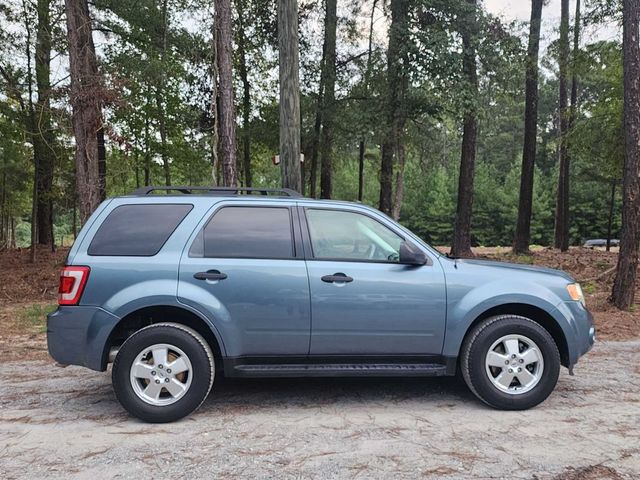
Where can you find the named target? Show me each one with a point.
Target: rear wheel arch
(538, 315)
(142, 375)
(143, 317)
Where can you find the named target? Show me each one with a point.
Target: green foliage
(23, 234)
(149, 76)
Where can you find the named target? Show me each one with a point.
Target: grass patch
(588, 287)
(35, 316)
(526, 259)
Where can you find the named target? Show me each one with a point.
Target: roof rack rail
(283, 192)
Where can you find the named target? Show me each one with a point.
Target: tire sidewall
(478, 350)
(202, 371)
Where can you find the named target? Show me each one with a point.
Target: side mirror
(410, 255)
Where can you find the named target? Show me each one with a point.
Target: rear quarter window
(137, 230)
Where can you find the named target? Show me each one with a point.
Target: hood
(516, 266)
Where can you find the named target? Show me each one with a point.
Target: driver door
(363, 301)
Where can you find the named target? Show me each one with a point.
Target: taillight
(72, 282)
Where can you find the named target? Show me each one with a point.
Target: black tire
(475, 349)
(203, 371)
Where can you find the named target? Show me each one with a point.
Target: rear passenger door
(245, 268)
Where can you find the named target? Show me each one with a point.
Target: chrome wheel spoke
(178, 366)
(525, 377)
(495, 359)
(153, 390)
(142, 370)
(160, 356)
(512, 346)
(504, 378)
(531, 355)
(174, 387)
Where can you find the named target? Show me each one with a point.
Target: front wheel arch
(486, 384)
(538, 315)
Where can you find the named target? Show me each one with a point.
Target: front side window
(342, 235)
(246, 232)
(137, 230)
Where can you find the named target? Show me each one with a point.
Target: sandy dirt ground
(58, 422)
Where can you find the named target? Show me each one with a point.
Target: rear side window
(246, 232)
(137, 230)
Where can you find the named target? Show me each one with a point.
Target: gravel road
(60, 422)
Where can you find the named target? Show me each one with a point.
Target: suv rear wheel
(510, 362)
(163, 372)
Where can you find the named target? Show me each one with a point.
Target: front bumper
(78, 335)
(581, 333)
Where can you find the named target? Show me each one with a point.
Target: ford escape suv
(176, 285)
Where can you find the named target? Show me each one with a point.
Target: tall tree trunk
(85, 101)
(147, 151)
(573, 115)
(74, 213)
(397, 81)
(43, 133)
(317, 126)
(523, 228)
(399, 192)
(159, 96)
(362, 146)
(13, 233)
(611, 208)
(624, 285)
(31, 127)
(328, 110)
(227, 122)
(386, 176)
(361, 151)
(315, 145)
(102, 163)
(162, 127)
(213, 109)
(574, 66)
(461, 245)
(136, 161)
(4, 216)
(289, 59)
(561, 237)
(246, 96)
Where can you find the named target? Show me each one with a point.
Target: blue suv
(176, 285)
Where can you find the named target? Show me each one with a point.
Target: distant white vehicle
(601, 242)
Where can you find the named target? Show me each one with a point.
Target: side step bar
(342, 370)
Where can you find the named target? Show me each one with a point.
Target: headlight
(575, 292)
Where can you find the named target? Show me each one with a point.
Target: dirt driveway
(66, 423)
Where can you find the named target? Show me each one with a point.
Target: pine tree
(86, 90)
(523, 227)
(624, 286)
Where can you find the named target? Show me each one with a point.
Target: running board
(342, 370)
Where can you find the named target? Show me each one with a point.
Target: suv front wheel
(163, 372)
(510, 362)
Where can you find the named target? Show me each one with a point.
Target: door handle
(210, 275)
(337, 278)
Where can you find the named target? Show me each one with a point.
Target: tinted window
(246, 232)
(341, 235)
(137, 230)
